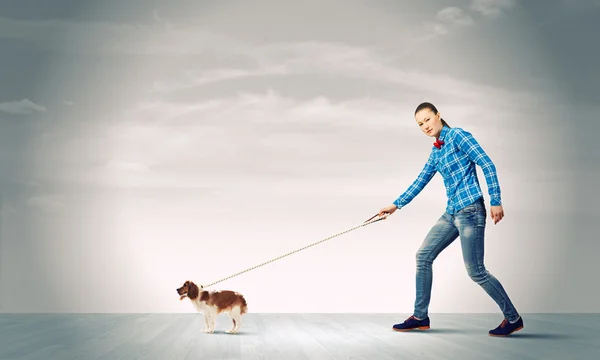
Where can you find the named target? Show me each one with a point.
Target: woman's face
(430, 123)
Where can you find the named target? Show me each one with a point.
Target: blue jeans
(468, 223)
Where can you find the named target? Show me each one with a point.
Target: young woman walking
(454, 155)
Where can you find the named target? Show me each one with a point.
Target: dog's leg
(236, 316)
(211, 320)
(208, 323)
(233, 328)
(206, 326)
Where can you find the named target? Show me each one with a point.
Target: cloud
(193, 79)
(166, 143)
(492, 8)
(155, 37)
(283, 59)
(449, 18)
(22, 107)
(175, 144)
(343, 61)
(251, 109)
(127, 166)
(437, 28)
(255, 135)
(48, 203)
(156, 17)
(28, 183)
(454, 16)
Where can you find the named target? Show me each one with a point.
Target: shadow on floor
(517, 335)
(543, 336)
(440, 331)
(223, 333)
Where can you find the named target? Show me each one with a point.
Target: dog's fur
(212, 303)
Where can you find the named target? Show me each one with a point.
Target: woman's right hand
(388, 210)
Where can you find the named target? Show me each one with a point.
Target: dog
(212, 303)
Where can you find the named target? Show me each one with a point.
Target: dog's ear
(193, 291)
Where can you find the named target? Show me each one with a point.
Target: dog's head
(188, 289)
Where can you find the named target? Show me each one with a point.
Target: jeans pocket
(468, 210)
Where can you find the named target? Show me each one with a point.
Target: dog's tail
(243, 305)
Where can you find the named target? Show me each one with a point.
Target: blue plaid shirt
(456, 161)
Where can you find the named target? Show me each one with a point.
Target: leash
(365, 223)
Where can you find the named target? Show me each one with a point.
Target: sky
(143, 144)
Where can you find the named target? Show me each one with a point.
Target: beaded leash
(367, 222)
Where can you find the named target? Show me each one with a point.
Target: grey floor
(293, 336)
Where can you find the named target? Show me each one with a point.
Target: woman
(454, 155)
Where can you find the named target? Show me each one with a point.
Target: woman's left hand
(497, 213)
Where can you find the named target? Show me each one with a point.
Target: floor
(293, 337)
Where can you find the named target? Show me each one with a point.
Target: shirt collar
(443, 132)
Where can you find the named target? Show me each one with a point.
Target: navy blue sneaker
(506, 328)
(412, 323)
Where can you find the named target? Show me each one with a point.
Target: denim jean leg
(442, 234)
(471, 222)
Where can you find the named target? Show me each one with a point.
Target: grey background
(143, 144)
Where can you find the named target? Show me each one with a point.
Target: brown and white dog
(212, 303)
